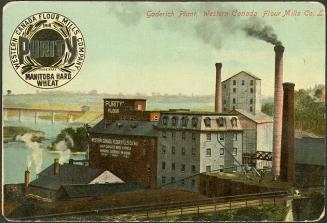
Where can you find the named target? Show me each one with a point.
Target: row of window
(221, 152)
(207, 121)
(251, 108)
(243, 82)
(234, 101)
(234, 90)
(173, 180)
(208, 151)
(173, 167)
(173, 150)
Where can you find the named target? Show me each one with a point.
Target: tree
(267, 108)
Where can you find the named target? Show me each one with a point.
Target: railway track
(142, 212)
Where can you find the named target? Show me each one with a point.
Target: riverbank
(10, 134)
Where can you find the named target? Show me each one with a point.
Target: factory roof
(125, 127)
(68, 174)
(258, 117)
(248, 73)
(89, 190)
(184, 112)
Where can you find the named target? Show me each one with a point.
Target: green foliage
(78, 136)
(269, 213)
(309, 113)
(268, 108)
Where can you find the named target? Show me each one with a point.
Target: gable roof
(258, 117)
(68, 174)
(88, 190)
(248, 73)
(125, 127)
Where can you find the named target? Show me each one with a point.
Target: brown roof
(248, 73)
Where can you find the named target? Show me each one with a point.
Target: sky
(127, 52)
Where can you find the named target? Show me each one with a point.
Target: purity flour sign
(47, 50)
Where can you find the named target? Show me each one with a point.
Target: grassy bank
(11, 132)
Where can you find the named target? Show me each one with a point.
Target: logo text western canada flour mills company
(47, 50)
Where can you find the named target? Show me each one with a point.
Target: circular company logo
(47, 50)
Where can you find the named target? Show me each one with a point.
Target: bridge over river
(19, 113)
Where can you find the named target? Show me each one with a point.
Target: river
(15, 154)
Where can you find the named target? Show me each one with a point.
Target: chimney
(27, 179)
(218, 95)
(278, 110)
(56, 167)
(287, 153)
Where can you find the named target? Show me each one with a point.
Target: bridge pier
(20, 115)
(69, 118)
(35, 117)
(5, 115)
(53, 117)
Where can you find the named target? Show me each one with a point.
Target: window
(234, 122)
(208, 136)
(172, 179)
(221, 151)
(193, 183)
(221, 136)
(174, 121)
(184, 121)
(164, 134)
(224, 102)
(163, 165)
(173, 166)
(193, 151)
(183, 135)
(145, 152)
(183, 168)
(194, 122)
(183, 151)
(173, 135)
(163, 179)
(251, 90)
(165, 120)
(208, 152)
(233, 107)
(251, 101)
(251, 82)
(235, 137)
(208, 168)
(221, 168)
(221, 121)
(225, 109)
(182, 181)
(193, 168)
(234, 82)
(163, 149)
(224, 85)
(234, 101)
(193, 135)
(243, 82)
(173, 150)
(234, 151)
(207, 122)
(234, 90)
(155, 117)
(251, 109)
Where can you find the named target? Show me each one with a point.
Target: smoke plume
(257, 29)
(63, 148)
(208, 30)
(35, 158)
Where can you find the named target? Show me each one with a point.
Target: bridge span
(19, 111)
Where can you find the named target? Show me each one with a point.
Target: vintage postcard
(163, 111)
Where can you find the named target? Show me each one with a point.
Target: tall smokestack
(27, 179)
(278, 110)
(56, 167)
(287, 153)
(218, 95)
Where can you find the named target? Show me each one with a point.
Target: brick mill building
(125, 141)
(190, 143)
